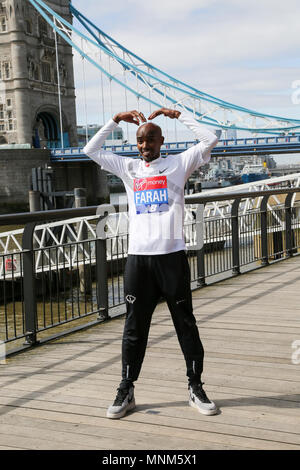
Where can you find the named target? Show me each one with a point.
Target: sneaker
(124, 402)
(198, 399)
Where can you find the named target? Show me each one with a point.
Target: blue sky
(245, 52)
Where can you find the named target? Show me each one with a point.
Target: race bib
(151, 194)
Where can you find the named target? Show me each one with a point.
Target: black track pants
(147, 278)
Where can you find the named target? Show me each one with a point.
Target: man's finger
(138, 115)
(133, 117)
(143, 117)
(155, 114)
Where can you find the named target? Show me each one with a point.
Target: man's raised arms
(134, 117)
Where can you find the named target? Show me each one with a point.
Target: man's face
(149, 141)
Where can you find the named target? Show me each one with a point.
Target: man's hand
(135, 117)
(171, 113)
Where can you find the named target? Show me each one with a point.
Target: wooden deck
(55, 396)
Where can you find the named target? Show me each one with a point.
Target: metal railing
(85, 282)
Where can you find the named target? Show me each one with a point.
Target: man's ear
(162, 139)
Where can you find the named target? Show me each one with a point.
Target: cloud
(233, 50)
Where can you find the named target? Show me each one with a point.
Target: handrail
(228, 196)
(238, 142)
(40, 216)
(70, 276)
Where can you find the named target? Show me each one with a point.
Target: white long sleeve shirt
(155, 191)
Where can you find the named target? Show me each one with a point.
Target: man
(157, 264)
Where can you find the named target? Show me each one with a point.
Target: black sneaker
(198, 399)
(124, 402)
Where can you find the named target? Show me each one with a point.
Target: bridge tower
(29, 93)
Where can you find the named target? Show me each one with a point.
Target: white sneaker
(198, 399)
(124, 402)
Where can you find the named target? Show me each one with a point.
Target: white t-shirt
(155, 191)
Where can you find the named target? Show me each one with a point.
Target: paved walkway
(55, 397)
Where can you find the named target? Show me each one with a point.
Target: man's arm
(198, 154)
(208, 140)
(108, 160)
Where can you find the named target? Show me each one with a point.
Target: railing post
(102, 281)
(200, 228)
(85, 284)
(288, 226)
(29, 285)
(264, 231)
(235, 237)
(34, 201)
(80, 197)
(101, 262)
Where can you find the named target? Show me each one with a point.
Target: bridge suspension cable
(150, 84)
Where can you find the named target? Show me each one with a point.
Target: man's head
(149, 140)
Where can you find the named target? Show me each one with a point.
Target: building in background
(85, 133)
(230, 134)
(29, 97)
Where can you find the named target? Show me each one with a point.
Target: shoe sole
(122, 413)
(211, 412)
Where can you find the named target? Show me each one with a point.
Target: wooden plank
(170, 426)
(164, 395)
(241, 415)
(10, 448)
(25, 442)
(215, 353)
(214, 383)
(99, 436)
(213, 349)
(281, 348)
(154, 396)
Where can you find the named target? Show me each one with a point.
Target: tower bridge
(38, 39)
(224, 148)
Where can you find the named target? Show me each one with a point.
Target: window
(6, 70)
(28, 26)
(9, 114)
(3, 26)
(46, 72)
(43, 27)
(36, 74)
(1, 111)
(8, 103)
(10, 126)
(2, 128)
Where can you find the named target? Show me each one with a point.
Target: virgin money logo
(140, 185)
(153, 182)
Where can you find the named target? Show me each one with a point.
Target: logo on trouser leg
(130, 298)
